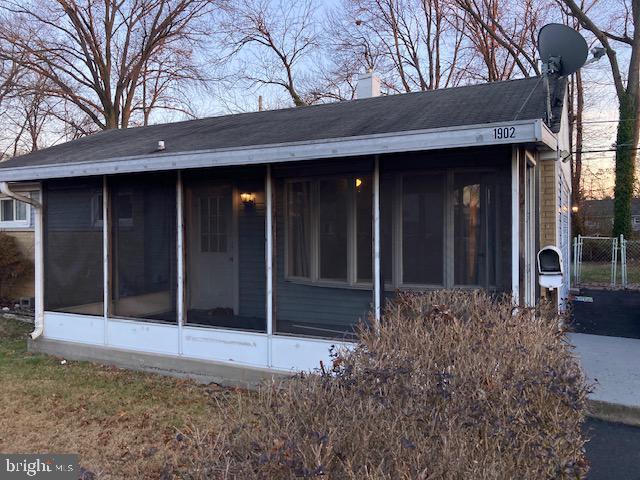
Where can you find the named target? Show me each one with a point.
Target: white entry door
(213, 250)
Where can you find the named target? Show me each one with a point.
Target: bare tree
(27, 113)
(576, 137)
(9, 79)
(162, 86)
(625, 33)
(504, 35)
(415, 44)
(275, 38)
(94, 54)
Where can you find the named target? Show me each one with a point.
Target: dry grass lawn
(122, 424)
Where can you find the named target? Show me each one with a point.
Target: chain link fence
(630, 263)
(609, 262)
(595, 261)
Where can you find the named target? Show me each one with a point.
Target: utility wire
(605, 121)
(603, 150)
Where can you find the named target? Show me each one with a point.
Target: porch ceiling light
(358, 182)
(248, 199)
(574, 209)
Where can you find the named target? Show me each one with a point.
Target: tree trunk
(626, 144)
(576, 178)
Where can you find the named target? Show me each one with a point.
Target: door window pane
(423, 229)
(334, 215)
(299, 229)
(364, 226)
(144, 246)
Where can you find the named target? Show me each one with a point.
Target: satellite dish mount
(563, 51)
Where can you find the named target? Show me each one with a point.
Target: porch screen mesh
(323, 254)
(225, 245)
(446, 228)
(73, 259)
(143, 232)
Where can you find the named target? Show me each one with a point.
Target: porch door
(213, 250)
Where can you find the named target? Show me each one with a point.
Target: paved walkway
(613, 365)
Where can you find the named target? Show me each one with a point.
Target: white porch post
(515, 225)
(105, 258)
(180, 257)
(268, 193)
(377, 294)
(38, 232)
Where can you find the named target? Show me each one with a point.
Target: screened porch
(305, 250)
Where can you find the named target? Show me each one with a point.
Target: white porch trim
(515, 225)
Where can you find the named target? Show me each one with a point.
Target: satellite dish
(562, 50)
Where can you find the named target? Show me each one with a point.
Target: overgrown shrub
(13, 264)
(455, 385)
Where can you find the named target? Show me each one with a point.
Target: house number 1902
(504, 132)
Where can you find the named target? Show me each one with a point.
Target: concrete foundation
(199, 370)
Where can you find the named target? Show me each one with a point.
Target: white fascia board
(515, 132)
(548, 138)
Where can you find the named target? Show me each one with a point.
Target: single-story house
(598, 217)
(248, 244)
(17, 220)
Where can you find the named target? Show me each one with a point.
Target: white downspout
(38, 256)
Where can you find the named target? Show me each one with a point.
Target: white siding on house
(564, 234)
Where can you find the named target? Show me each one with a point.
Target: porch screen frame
(448, 251)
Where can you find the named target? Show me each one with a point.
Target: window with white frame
(13, 213)
(329, 229)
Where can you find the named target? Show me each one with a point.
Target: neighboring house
(249, 244)
(17, 220)
(598, 217)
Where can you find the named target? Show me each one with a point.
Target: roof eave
(514, 132)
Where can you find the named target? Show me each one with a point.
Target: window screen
(328, 225)
(334, 214)
(73, 247)
(299, 228)
(6, 211)
(364, 227)
(225, 245)
(21, 210)
(423, 229)
(475, 230)
(387, 219)
(143, 220)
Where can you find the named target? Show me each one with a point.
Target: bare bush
(454, 385)
(13, 264)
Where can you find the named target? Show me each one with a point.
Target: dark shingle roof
(521, 99)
